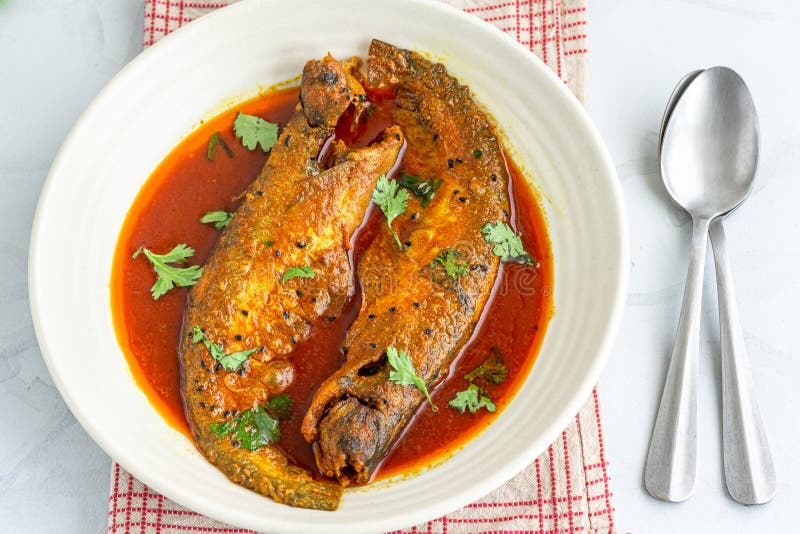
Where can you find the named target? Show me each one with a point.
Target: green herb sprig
(280, 407)
(404, 373)
(507, 244)
(254, 131)
(473, 399)
(448, 259)
(221, 219)
(492, 370)
(214, 141)
(170, 276)
(251, 429)
(297, 272)
(424, 189)
(392, 200)
(229, 362)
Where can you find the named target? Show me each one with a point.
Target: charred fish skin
(325, 107)
(297, 213)
(408, 301)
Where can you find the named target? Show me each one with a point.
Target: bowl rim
(513, 464)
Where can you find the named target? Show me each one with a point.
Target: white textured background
(55, 56)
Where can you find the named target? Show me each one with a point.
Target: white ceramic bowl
(147, 108)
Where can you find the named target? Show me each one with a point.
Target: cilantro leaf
(473, 399)
(448, 260)
(266, 426)
(221, 219)
(391, 200)
(214, 141)
(404, 373)
(223, 429)
(212, 146)
(254, 131)
(297, 272)
(280, 407)
(229, 362)
(424, 189)
(477, 153)
(252, 429)
(168, 275)
(492, 370)
(507, 244)
(197, 334)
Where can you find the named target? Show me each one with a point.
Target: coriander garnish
(229, 362)
(492, 370)
(391, 200)
(477, 153)
(215, 141)
(507, 244)
(448, 259)
(473, 399)
(212, 146)
(252, 429)
(280, 407)
(254, 131)
(424, 189)
(221, 219)
(404, 373)
(297, 272)
(168, 275)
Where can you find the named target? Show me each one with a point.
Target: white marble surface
(55, 55)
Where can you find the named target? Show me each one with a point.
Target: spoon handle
(672, 460)
(749, 472)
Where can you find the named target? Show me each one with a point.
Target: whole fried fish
(410, 301)
(280, 267)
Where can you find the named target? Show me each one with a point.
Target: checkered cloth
(566, 489)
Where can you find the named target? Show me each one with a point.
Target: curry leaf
(170, 276)
(404, 373)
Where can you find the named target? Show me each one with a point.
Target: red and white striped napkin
(566, 489)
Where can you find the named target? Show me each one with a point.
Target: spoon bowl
(709, 152)
(673, 99)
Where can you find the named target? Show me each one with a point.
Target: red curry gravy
(187, 184)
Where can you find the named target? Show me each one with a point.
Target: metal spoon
(673, 99)
(708, 160)
(749, 470)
